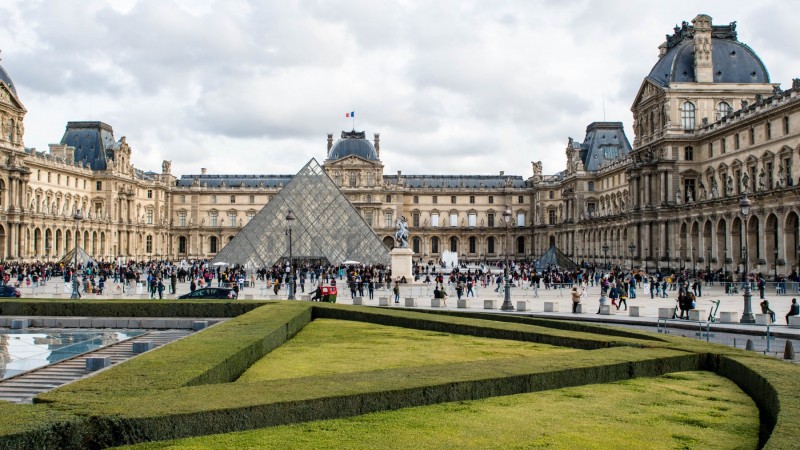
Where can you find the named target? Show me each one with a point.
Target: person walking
(396, 291)
(623, 298)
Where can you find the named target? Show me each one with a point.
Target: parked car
(211, 292)
(9, 291)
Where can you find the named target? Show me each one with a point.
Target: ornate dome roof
(353, 143)
(733, 61)
(5, 78)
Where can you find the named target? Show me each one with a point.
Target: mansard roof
(605, 142)
(250, 181)
(91, 140)
(457, 181)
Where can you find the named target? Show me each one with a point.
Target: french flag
(350, 114)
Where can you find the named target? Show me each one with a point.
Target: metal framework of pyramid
(328, 227)
(553, 257)
(84, 258)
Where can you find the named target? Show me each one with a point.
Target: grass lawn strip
(327, 346)
(639, 413)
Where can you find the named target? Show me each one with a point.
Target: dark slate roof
(457, 181)
(91, 140)
(734, 62)
(353, 143)
(250, 181)
(604, 142)
(4, 77)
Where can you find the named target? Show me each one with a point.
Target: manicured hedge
(188, 388)
(127, 308)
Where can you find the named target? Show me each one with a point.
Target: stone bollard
(383, 301)
(97, 363)
(358, 300)
(788, 352)
(462, 303)
(198, 325)
(142, 346)
(749, 345)
(411, 302)
(522, 305)
(20, 324)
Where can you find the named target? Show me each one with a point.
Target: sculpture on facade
(745, 182)
(689, 196)
(781, 177)
(677, 196)
(729, 187)
(714, 189)
(401, 235)
(762, 180)
(702, 191)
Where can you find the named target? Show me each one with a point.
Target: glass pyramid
(327, 227)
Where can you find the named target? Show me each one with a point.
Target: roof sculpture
(327, 227)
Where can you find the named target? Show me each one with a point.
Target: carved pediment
(7, 97)
(647, 90)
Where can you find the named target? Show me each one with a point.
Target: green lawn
(680, 410)
(326, 347)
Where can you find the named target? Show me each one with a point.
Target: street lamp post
(78, 216)
(507, 294)
(632, 249)
(605, 255)
(747, 315)
(289, 219)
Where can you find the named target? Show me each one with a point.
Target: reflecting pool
(24, 350)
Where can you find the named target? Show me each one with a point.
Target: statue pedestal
(401, 264)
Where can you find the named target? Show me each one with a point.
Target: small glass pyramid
(328, 227)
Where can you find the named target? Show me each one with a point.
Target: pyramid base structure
(401, 264)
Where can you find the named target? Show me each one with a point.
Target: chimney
(203, 171)
(330, 141)
(703, 65)
(378, 144)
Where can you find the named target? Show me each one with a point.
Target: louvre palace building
(709, 126)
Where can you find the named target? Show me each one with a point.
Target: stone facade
(708, 125)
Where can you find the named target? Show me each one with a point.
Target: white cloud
(254, 87)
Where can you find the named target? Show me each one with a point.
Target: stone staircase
(23, 387)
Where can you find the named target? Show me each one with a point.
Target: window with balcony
(182, 219)
(472, 220)
(213, 215)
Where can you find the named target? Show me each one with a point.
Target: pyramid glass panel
(327, 227)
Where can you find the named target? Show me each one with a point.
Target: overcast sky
(454, 87)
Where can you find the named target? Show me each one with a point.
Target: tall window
(688, 153)
(149, 193)
(10, 130)
(149, 244)
(786, 125)
(736, 141)
(723, 109)
(723, 147)
(472, 244)
(752, 136)
(520, 199)
(590, 186)
(213, 199)
(520, 219)
(416, 244)
(182, 244)
(520, 244)
(472, 220)
(353, 179)
(453, 219)
(368, 217)
(710, 149)
(233, 199)
(435, 245)
(369, 198)
(416, 199)
(212, 244)
(388, 199)
(688, 189)
(490, 219)
(490, 245)
(251, 214)
(551, 216)
(768, 130)
(98, 185)
(183, 199)
(213, 218)
(452, 199)
(454, 244)
(149, 216)
(435, 199)
(471, 199)
(387, 219)
(370, 179)
(415, 220)
(552, 195)
(232, 219)
(687, 115)
(182, 219)
(491, 199)
(435, 219)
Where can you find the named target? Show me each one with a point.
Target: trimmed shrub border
(127, 308)
(162, 399)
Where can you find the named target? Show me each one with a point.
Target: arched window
(435, 245)
(213, 246)
(454, 244)
(415, 243)
(490, 246)
(687, 115)
(723, 109)
(149, 244)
